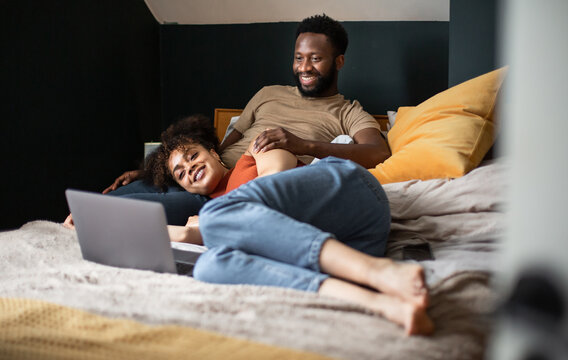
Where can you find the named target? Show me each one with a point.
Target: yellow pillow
(444, 137)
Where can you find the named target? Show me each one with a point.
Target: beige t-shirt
(319, 119)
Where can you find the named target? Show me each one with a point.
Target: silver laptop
(128, 233)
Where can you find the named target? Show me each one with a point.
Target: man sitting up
(302, 119)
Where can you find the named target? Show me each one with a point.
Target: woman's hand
(188, 233)
(193, 221)
(68, 223)
(124, 179)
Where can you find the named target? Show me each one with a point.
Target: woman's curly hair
(190, 130)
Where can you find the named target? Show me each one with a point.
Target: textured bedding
(460, 218)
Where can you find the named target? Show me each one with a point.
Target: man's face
(315, 66)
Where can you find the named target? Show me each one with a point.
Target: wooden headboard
(223, 118)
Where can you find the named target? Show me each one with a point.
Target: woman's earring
(218, 157)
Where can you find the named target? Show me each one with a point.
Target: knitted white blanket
(42, 260)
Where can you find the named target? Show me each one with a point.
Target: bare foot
(403, 280)
(410, 316)
(417, 322)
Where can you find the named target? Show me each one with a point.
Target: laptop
(128, 233)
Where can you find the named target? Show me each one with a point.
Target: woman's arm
(369, 149)
(189, 233)
(272, 161)
(267, 163)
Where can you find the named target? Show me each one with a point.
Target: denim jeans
(178, 203)
(270, 231)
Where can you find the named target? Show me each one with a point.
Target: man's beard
(324, 82)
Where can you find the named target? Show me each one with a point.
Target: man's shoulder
(274, 93)
(270, 93)
(348, 102)
(349, 105)
(352, 110)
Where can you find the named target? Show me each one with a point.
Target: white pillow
(392, 118)
(341, 139)
(230, 127)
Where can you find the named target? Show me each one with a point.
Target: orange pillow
(446, 136)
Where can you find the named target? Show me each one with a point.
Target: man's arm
(232, 138)
(245, 121)
(124, 179)
(369, 149)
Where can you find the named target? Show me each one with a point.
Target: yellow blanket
(32, 329)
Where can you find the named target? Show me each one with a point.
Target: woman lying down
(320, 227)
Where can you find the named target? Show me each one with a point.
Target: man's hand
(279, 138)
(124, 179)
(369, 148)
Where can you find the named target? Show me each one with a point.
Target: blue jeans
(270, 231)
(178, 203)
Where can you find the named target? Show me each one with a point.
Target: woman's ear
(214, 154)
(217, 157)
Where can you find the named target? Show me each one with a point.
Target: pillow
(444, 137)
(231, 127)
(340, 139)
(392, 118)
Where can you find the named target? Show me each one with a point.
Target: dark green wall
(79, 95)
(473, 51)
(473, 38)
(85, 83)
(388, 64)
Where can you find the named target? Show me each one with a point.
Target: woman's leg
(231, 266)
(222, 265)
(287, 216)
(402, 280)
(292, 218)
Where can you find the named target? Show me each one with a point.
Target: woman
(273, 222)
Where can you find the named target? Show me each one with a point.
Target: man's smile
(308, 79)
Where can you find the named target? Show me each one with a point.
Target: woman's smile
(196, 169)
(199, 174)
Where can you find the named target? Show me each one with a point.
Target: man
(302, 119)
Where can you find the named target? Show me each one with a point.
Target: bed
(54, 304)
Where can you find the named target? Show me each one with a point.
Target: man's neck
(324, 94)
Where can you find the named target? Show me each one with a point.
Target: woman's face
(196, 169)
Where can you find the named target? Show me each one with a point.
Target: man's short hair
(323, 24)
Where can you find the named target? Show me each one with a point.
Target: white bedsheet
(460, 218)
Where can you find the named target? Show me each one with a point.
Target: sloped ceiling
(254, 11)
